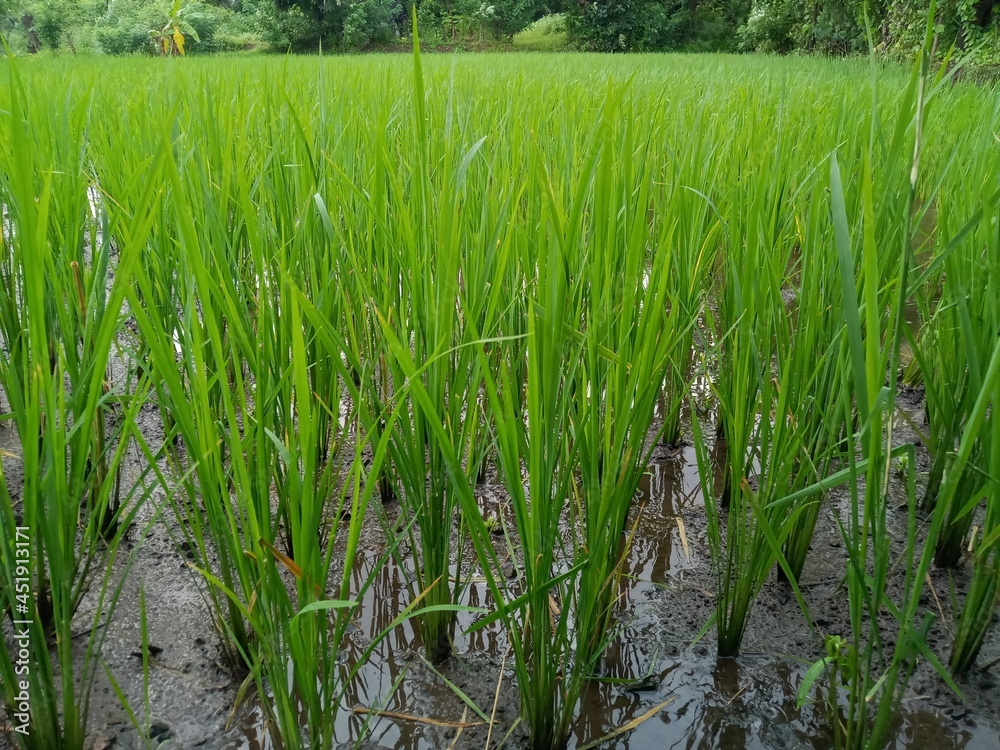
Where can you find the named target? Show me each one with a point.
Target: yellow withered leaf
(293, 567)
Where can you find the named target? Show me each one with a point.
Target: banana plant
(170, 39)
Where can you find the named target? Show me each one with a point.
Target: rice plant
(980, 305)
(60, 311)
(870, 668)
(811, 389)
(956, 346)
(421, 310)
(265, 492)
(692, 178)
(538, 441)
(635, 332)
(762, 378)
(981, 599)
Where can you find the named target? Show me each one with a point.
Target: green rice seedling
(265, 400)
(698, 235)
(864, 529)
(875, 675)
(592, 353)
(941, 351)
(953, 353)
(984, 463)
(537, 436)
(812, 383)
(60, 311)
(741, 556)
(757, 407)
(910, 640)
(833, 664)
(981, 599)
(540, 441)
(205, 409)
(421, 325)
(954, 538)
(261, 470)
(631, 329)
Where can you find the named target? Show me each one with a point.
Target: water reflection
(729, 704)
(667, 491)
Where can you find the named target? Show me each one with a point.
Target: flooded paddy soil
(684, 696)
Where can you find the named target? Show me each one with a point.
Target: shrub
(124, 28)
(645, 25)
(616, 25)
(370, 21)
(547, 33)
(769, 28)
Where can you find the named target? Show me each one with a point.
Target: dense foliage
(835, 27)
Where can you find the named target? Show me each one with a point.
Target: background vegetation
(833, 27)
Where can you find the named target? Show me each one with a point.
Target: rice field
(489, 401)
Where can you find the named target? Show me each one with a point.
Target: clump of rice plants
(956, 346)
(264, 489)
(981, 599)
(757, 406)
(874, 673)
(981, 256)
(811, 389)
(571, 436)
(60, 312)
(634, 330)
(698, 230)
(423, 321)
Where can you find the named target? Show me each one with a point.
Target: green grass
(350, 282)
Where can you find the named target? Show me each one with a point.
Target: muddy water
(733, 704)
(668, 491)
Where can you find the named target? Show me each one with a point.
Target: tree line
(832, 27)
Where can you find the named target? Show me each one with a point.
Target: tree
(34, 45)
(641, 25)
(370, 21)
(307, 23)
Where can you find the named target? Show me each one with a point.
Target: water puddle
(661, 544)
